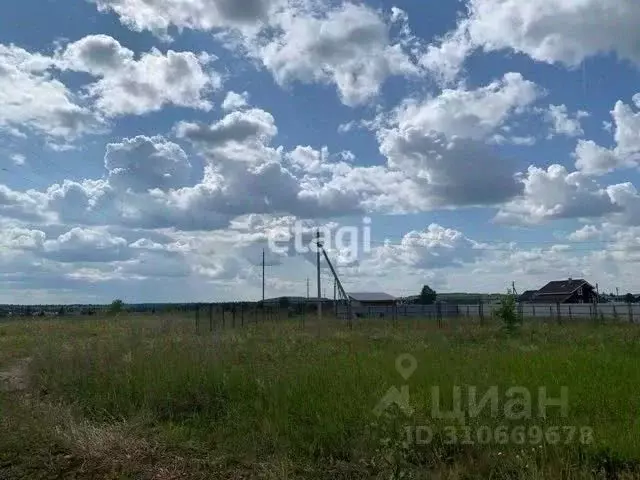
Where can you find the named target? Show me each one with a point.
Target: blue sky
(149, 150)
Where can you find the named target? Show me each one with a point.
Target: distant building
(563, 291)
(372, 299)
(291, 300)
(527, 297)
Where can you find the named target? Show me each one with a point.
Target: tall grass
(278, 391)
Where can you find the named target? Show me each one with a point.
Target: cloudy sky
(150, 148)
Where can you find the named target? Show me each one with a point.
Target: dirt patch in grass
(15, 378)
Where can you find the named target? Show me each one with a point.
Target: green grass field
(147, 397)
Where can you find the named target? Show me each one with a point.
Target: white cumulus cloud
(561, 122)
(595, 159)
(551, 31)
(348, 46)
(235, 101)
(32, 99)
(129, 86)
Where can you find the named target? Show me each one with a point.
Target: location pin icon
(406, 364)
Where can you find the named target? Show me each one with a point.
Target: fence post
(481, 312)
(558, 312)
(570, 315)
(630, 309)
(521, 312)
(416, 317)
(615, 313)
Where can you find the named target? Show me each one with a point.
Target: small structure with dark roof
(528, 296)
(566, 291)
(371, 299)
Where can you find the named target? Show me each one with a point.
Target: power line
(14, 172)
(318, 273)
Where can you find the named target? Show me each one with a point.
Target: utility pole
(335, 301)
(263, 276)
(343, 294)
(306, 306)
(318, 273)
(518, 303)
(617, 294)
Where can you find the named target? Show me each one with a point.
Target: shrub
(116, 306)
(507, 312)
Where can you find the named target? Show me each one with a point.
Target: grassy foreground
(143, 397)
